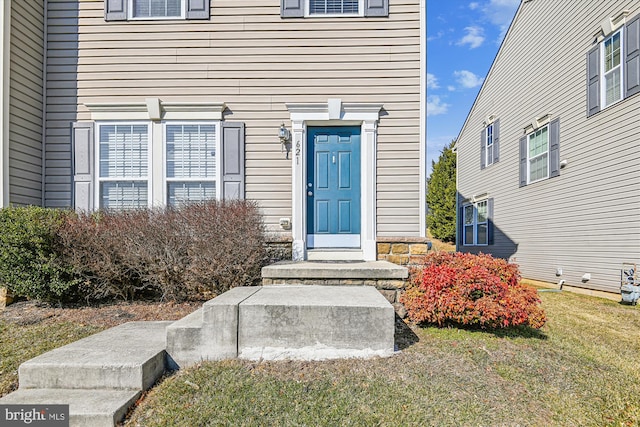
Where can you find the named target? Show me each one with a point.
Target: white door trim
(335, 113)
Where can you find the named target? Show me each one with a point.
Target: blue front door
(333, 187)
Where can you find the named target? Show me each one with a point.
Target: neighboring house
(549, 156)
(161, 102)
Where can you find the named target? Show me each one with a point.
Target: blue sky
(463, 38)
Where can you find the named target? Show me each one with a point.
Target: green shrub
(193, 252)
(467, 289)
(29, 264)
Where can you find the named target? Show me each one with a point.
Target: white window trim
(486, 147)
(218, 178)
(474, 224)
(333, 15)
(603, 86)
(130, 17)
(529, 181)
(99, 180)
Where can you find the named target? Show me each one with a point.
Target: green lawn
(581, 369)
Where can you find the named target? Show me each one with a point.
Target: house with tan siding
(548, 156)
(314, 109)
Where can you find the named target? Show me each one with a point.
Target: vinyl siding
(255, 62)
(26, 102)
(587, 220)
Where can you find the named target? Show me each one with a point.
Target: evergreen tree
(441, 196)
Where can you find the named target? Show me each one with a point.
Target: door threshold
(335, 255)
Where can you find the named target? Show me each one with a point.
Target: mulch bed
(103, 315)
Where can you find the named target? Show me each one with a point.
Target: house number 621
(298, 152)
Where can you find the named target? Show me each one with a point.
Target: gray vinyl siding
(26, 102)
(587, 220)
(253, 60)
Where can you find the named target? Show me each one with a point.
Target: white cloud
(500, 13)
(474, 5)
(435, 106)
(467, 79)
(474, 37)
(451, 88)
(432, 81)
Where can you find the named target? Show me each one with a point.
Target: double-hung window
(490, 143)
(334, 7)
(612, 73)
(613, 64)
(538, 154)
(123, 178)
(157, 9)
(476, 223)
(131, 175)
(135, 10)
(190, 162)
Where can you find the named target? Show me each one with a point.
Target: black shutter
(490, 221)
(291, 8)
(198, 9)
(496, 141)
(232, 160)
(483, 148)
(523, 161)
(593, 81)
(82, 165)
(115, 10)
(554, 148)
(376, 8)
(632, 57)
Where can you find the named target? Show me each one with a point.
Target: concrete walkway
(101, 376)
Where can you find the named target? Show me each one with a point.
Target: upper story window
(540, 153)
(612, 74)
(153, 9)
(334, 7)
(124, 10)
(490, 144)
(613, 64)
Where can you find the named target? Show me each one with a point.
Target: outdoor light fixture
(284, 136)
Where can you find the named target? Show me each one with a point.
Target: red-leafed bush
(475, 290)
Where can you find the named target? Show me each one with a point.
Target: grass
(582, 368)
(19, 343)
(439, 245)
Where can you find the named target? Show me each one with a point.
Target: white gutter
(423, 119)
(5, 41)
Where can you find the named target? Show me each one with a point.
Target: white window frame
(99, 180)
(604, 74)
(217, 179)
(131, 17)
(489, 144)
(548, 153)
(307, 13)
(475, 223)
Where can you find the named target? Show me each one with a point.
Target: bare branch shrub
(193, 252)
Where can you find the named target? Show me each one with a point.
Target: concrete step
(129, 356)
(94, 408)
(209, 333)
(363, 270)
(313, 322)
